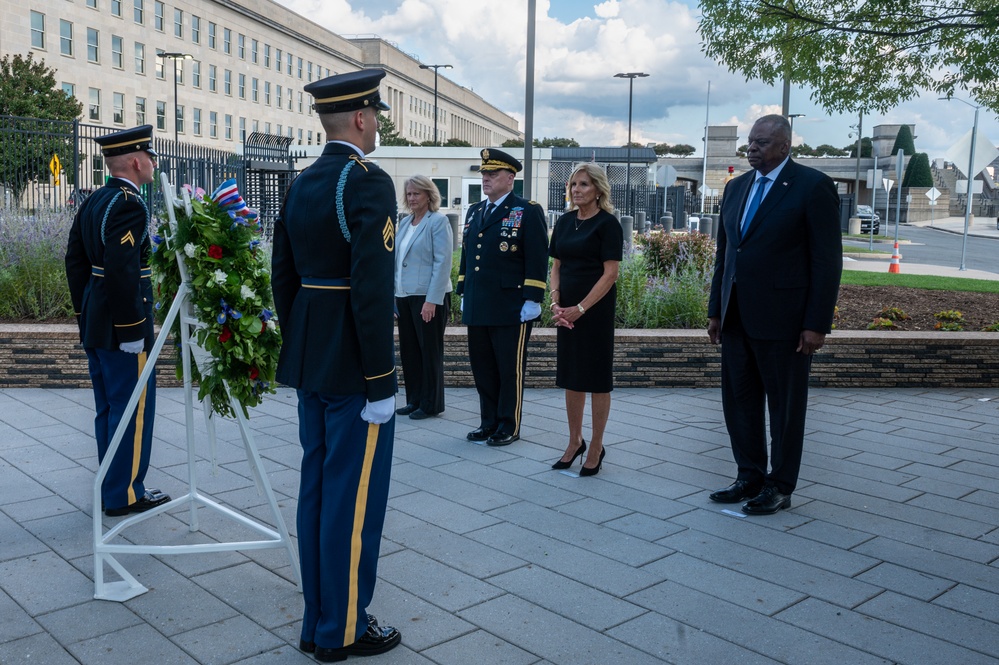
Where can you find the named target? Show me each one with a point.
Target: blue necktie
(754, 205)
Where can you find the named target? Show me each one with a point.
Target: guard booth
(270, 168)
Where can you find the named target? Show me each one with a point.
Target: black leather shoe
(406, 410)
(481, 434)
(306, 647)
(559, 464)
(739, 491)
(767, 502)
(501, 439)
(375, 640)
(420, 414)
(585, 471)
(149, 500)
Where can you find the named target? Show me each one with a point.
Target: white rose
(271, 325)
(220, 277)
(246, 293)
(190, 249)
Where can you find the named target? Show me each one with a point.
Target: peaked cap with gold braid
(497, 160)
(348, 92)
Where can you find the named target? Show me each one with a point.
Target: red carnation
(263, 326)
(226, 335)
(215, 252)
(254, 373)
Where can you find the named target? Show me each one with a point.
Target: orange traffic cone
(894, 266)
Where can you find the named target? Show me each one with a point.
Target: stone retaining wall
(49, 356)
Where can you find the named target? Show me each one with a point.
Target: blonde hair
(423, 184)
(600, 181)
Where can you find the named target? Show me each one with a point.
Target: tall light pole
(435, 68)
(971, 177)
(631, 76)
(856, 183)
(791, 117)
(175, 57)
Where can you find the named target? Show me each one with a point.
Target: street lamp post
(631, 76)
(971, 177)
(856, 184)
(175, 57)
(435, 68)
(791, 117)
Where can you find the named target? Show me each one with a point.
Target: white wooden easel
(104, 551)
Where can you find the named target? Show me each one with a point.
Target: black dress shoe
(375, 640)
(480, 434)
(306, 647)
(501, 439)
(737, 492)
(149, 500)
(406, 410)
(420, 414)
(767, 502)
(559, 464)
(585, 471)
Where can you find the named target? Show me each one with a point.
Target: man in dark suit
(332, 279)
(773, 292)
(501, 278)
(107, 266)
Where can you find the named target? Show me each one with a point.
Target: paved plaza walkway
(890, 553)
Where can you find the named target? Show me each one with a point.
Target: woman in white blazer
(422, 291)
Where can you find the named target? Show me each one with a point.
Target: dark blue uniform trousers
(114, 375)
(498, 356)
(346, 465)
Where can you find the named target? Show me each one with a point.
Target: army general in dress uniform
(107, 266)
(333, 263)
(501, 278)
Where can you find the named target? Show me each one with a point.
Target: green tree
(866, 148)
(803, 150)
(859, 56)
(28, 92)
(556, 142)
(512, 143)
(918, 173)
(903, 141)
(457, 143)
(680, 149)
(826, 150)
(387, 133)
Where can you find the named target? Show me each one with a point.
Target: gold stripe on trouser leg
(140, 414)
(520, 378)
(360, 506)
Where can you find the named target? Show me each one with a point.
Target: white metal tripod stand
(104, 551)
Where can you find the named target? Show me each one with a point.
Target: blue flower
(266, 315)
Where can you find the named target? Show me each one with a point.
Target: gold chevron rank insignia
(129, 238)
(388, 234)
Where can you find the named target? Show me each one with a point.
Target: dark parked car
(78, 196)
(867, 216)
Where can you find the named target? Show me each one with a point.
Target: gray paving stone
(487, 649)
(227, 641)
(284, 655)
(934, 563)
(831, 534)
(905, 581)
(241, 587)
(87, 620)
(526, 489)
(16, 622)
(17, 541)
(44, 582)
(572, 598)
(422, 624)
(70, 534)
(38, 648)
(450, 487)
(966, 599)
(550, 636)
(594, 511)
(434, 582)
(444, 513)
(138, 644)
(17, 486)
(895, 643)
(175, 604)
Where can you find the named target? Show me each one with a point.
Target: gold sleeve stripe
(129, 325)
(535, 282)
(380, 376)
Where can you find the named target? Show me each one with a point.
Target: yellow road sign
(56, 167)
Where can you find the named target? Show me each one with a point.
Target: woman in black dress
(586, 246)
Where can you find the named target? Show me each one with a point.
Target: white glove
(133, 347)
(530, 311)
(380, 412)
(461, 304)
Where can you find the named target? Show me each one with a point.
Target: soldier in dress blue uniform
(332, 277)
(107, 266)
(501, 278)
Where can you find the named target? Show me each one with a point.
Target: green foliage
(866, 148)
(512, 143)
(457, 143)
(881, 324)
(929, 282)
(388, 134)
(859, 56)
(826, 150)
(993, 327)
(677, 300)
(918, 173)
(669, 253)
(32, 271)
(904, 141)
(680, 149)
(893, 314)
(554, 142)
(950, 320)
(28, 89)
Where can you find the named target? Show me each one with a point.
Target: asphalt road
(935, 247)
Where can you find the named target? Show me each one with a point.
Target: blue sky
(580, 46)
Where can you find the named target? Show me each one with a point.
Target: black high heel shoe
(583, 471)
(559, 464)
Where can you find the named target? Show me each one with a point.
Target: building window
(310, 138)
(242, 129)
(280, 130)
(69, 89)
(180, 118)
(211, 35)
(93, 45)
(140, 110)
(118, 102)
(65, 37)
(161, 115)
(196, 74)
(267, 55)
(277, 92)
(95, 104)
(267, 128)
(256, 126)
(213, 124)
(299, 137)
(97, 167)
(196, 29)
(241, 46)
(254, 90)
(300, 69)
(242, 86)
(178, 64)
(116, 8)
(267, 94)
(227, 41)
(228, 127)
(442, 186)
(277, 60)
(212, 78)
(310, 72)
(138, 11)
(227, 82)
(288, 68)
(140, 58)
(117, 52)
(37, 30)
(92, 4)
(253, 50)
(299, 102)
(196, 120)
(160, 65)
(178, 23)
(159, 9)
